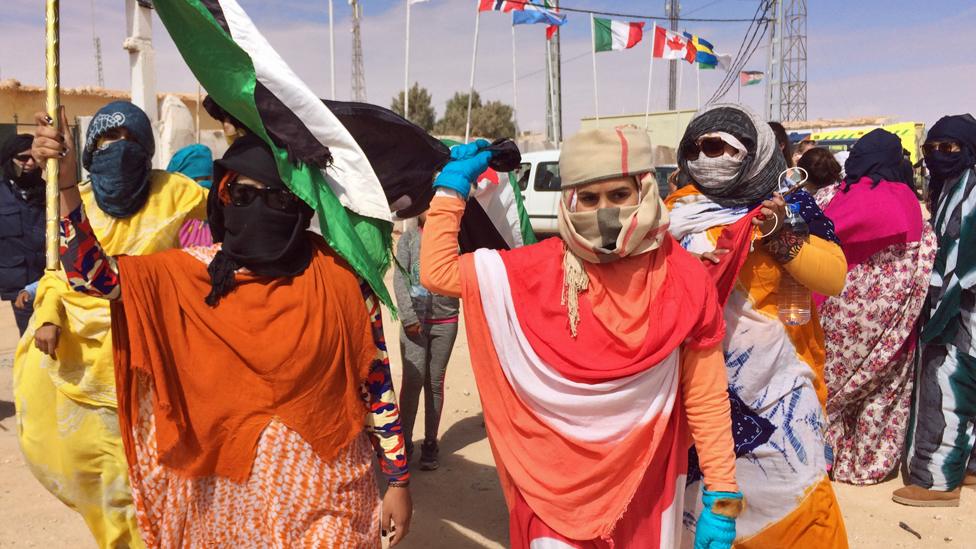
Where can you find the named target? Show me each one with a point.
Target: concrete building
(665, 127)
(19, 102)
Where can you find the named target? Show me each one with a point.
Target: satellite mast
(786, 96)
(97, 42)
(358, 71)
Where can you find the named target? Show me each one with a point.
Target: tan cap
(596, 155)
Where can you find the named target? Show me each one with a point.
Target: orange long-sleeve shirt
(703, 377)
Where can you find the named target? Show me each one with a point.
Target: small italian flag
(609, 35)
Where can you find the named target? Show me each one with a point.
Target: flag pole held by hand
(53, 84)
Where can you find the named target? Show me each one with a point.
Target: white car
(538, 177)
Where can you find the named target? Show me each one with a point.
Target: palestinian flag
(609, 35)
(495, 215)
(348, 161)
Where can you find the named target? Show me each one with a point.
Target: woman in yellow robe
(67, 417)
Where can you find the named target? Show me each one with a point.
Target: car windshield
(547, 177)
(522, 175)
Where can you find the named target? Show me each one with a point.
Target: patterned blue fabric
(749, 431)
(818, 223)
(119, 114)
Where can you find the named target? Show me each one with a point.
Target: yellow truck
(912, 135)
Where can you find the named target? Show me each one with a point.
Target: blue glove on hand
(468, 162)
(462, 152)
(716, 531)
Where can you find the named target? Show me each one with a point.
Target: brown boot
(969, 479)
(916, 496)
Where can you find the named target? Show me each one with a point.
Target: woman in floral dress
(869, 328)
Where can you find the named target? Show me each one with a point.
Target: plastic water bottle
(794, 298)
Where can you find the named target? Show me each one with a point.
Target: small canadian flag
(671, 45)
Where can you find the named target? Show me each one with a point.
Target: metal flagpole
(514, 85)
(474, 63)
(650, 77)
(596, 98)
(552, 88)
(677, 104)
(52, 60)
(698, 83)
(332, 51)
(677, 95)
(406, 68)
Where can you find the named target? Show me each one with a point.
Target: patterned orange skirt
(291, 499)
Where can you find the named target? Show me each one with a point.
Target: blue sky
(907, 59)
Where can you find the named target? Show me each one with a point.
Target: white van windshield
(522, 175)
(547, 177)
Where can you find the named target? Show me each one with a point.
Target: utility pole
(554, 103)
(672, 9)
(358, 71)
(142, 58)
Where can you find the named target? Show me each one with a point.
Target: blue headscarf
(120, 171)
(193, 161)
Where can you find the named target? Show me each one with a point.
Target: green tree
(456, 114)
(421, 108)
(491, 120)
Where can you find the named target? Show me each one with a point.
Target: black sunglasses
(713, 147)
(945, 147)
(22, 157)
(276, 199)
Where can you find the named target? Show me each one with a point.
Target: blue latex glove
(715, 531)
(469, 161)
(462, 152)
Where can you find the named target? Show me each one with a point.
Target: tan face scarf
(606, 235)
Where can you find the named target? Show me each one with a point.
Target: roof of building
(837, 122)
(14, 84)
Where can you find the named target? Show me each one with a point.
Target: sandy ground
(458, 506)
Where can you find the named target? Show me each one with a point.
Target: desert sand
(458, 506)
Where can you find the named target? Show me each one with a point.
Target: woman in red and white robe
(596, 356)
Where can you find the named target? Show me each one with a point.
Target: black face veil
(267, 241)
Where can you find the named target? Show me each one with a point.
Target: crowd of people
(650, 375)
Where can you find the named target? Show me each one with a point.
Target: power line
(533, 73)
(741, 65)
(699, 8)
(760, 12)
(747, 48)
(633, 16)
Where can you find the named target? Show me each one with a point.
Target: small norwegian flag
(500, 5)
(671, 45)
